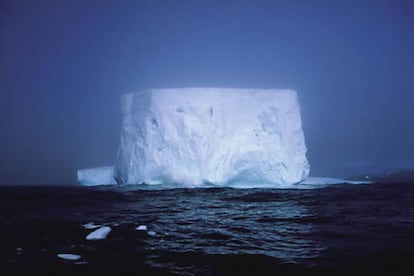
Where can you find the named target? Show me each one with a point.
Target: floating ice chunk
(96, 176)
(81, 263)
(152, 233)
(193, 136)
(19, 251)
(90, 225)
(70, 257)
(99, 234)
(141, 228)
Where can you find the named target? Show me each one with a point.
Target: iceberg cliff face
(211, 135)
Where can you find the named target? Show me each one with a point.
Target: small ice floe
(151, 233)
(19, 251)
(141, 228)
(70, 257)
(90, 225)
(81, 263)
(99, 234)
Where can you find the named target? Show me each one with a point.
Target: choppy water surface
(341, 228)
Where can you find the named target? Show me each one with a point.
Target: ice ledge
(104, 176)
(96, 176)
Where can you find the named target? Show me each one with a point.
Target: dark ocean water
(340, 229)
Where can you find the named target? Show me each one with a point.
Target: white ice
(192, 137)
(70, 257)
(90, 225)
(100, 233)
(96, 176)
(308, 183)
(141, 228)
(330, 181)
(152, 233)
(220, 136)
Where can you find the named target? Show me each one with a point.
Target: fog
(64, 65)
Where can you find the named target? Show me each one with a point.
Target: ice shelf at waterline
(192, 136)
(96, 176)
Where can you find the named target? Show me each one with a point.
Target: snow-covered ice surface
(221, 136)
(96, 176)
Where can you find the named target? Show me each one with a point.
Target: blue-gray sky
(64, 64)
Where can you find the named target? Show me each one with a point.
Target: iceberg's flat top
(201, 96)
(207, 90)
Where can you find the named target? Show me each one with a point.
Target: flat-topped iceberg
(192, 136)
(204, 137)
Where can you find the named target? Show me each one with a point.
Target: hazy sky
(64, 64)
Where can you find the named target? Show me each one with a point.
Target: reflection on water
(211, 230)
(225, 221)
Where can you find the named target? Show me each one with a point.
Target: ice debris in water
(70, 257)
(141, 228)
(19, 251)
(90, 225)
(99, 234)
(152, 233)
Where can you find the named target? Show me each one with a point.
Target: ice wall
(211, 135)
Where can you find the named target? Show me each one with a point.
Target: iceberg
(194, 136)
